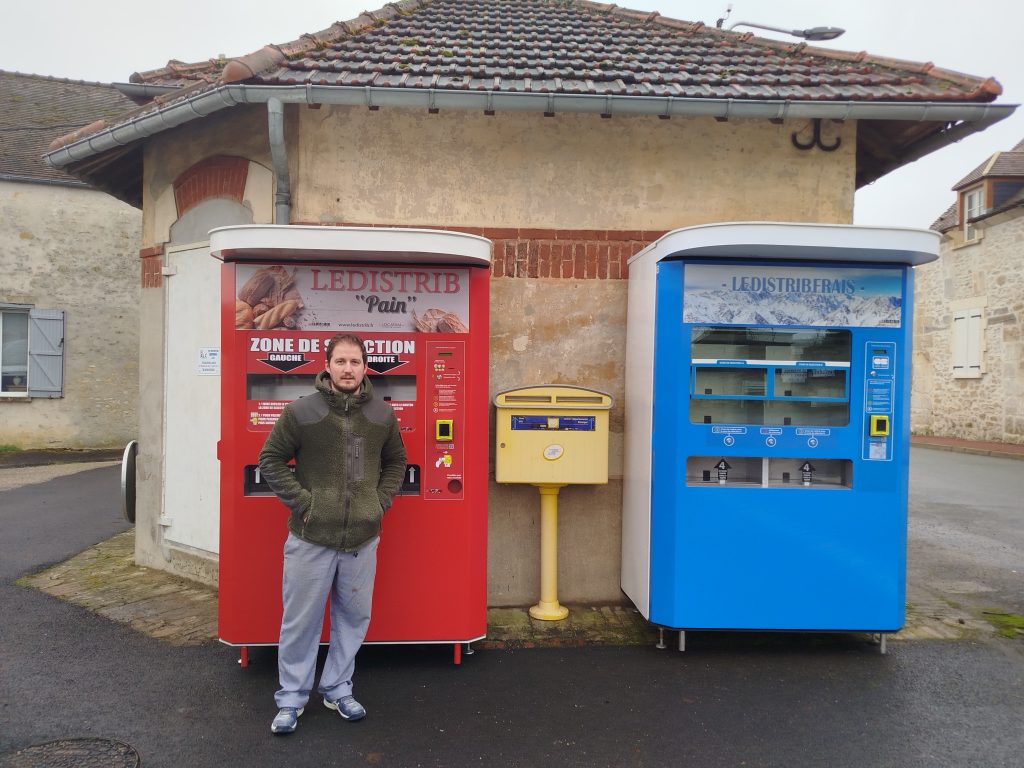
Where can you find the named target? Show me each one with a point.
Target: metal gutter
(970, 116)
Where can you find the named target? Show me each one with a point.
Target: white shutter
(46, 353)
(959, 343)
(974, 339)
(968, 333)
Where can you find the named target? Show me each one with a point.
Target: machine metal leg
(469, 649)
(243, 656)
(682, 640)
(661, 638)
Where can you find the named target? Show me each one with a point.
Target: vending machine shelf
(796, 413)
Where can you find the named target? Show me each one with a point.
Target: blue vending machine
(767, 426)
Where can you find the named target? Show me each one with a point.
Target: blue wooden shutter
(46, 353)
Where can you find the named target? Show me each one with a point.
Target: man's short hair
(345, 338)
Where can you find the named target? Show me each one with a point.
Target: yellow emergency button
(879, 426)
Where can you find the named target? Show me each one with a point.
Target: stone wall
(74, 249)
(992, 271)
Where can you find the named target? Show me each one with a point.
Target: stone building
(969, 311)
(571, 133)
(68, 291)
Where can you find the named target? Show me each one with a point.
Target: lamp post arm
(814, 33)
(796, 32)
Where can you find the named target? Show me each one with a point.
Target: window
(968, 340)
(13, 352)
(974, 204)
(31, 351)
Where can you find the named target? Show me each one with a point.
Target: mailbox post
(551, 436)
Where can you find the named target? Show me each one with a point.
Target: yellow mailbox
(552, 434)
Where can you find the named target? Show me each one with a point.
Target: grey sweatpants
(310, 573)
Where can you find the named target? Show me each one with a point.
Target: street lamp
(814, 33)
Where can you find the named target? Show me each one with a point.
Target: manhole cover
(74, 753)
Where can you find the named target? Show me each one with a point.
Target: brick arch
(222, 176)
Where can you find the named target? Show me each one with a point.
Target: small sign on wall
(209, 361)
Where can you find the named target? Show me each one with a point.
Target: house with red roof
(68, 293)
(571, 133)
(969, 311)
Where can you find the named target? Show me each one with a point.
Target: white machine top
(278, 242)
(796, 242)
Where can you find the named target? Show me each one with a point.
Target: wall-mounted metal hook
(816, 139)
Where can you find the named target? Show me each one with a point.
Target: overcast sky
(108, 40)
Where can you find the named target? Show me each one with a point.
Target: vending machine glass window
(283, 387)
(770, 376)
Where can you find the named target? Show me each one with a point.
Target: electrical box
(768, 426)
(552, 434)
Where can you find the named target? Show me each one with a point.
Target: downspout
(282, 184)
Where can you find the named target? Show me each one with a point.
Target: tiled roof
(948, 220)
(973, 176)
(574, 47)
(1000, 164)
(34, 110)
(572, 50)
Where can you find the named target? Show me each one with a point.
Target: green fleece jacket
(349, 464)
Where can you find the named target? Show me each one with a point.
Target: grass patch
(8, 448)
(1006, 624)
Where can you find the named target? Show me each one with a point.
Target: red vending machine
(419, 299)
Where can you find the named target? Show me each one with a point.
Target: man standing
(349, 464)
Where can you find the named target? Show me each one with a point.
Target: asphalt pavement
(730, 700)
(966, 535)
